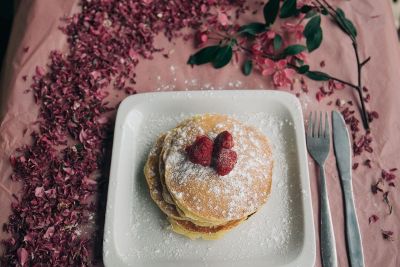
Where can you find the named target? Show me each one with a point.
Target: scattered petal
(373, 218)
(22, 256)
(387, 235)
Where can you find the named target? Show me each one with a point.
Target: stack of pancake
(197, 201)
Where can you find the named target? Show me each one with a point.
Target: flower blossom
(281, 75)
(264, 43)
(294, 28)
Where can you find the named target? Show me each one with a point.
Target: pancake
(197, 201)
(153, 179)
(199, 191)
(193, 231)
(151, 172)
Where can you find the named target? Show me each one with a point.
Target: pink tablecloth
(36, 26)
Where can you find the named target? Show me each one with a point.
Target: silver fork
(318, 145)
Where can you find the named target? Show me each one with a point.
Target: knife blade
(341, 145)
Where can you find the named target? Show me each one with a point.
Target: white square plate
(280, 234)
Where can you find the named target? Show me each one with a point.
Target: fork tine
(310, 127)
(320, 125)
(313, 126)
(326, 135)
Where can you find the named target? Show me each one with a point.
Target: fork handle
(327, 240)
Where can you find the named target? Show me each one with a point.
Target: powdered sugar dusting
(237, 191)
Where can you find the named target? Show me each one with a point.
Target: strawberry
(200, 152)
(224, 161)
(224, 140)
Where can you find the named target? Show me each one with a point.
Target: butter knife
(341, 144)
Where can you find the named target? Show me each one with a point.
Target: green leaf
(340, 12)
(288, 9)
(253, 28)
(303, 69)
(312, 25)
(205, 55)
(315, 40)
(293, 50)
(352, 28)
(318, 76)
(271, 10)
(324, 11)
(223, 57)
(345, 24)
(247, 67)
(313, 33)
(277, 42)
(305, 9)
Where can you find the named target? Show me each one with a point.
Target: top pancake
(199, 191)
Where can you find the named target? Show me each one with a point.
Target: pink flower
(264, 43)
(256, 49)
(295, 28)
(335, 85)
(301, 56)
(281, 76)
(201, 37)
(267, 36)
(270, 34)
(223, 19)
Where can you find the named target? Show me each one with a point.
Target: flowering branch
(276, 57)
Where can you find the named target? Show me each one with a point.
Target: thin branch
(364, 114)
(330, 76)
(365, 61)
(334, 14)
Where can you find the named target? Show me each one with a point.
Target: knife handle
(327, 241)
(353, 236)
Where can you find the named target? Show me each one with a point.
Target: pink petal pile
(52, 219)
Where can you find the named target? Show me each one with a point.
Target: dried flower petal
(373, 218)
(22, 256)
(388, 176)
(39, 191)
(387, 235)
(368, 163)
(376, 187)
(387, 202)
(355, 166)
